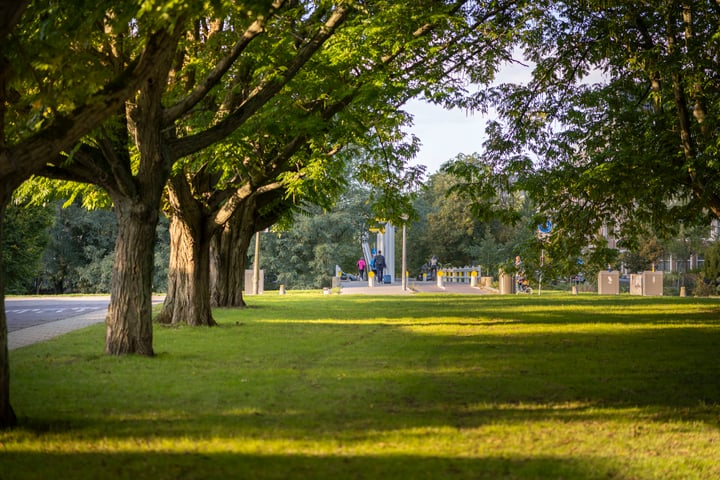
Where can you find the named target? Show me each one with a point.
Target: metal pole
(542, 265)
(256, 265)
(404, 268)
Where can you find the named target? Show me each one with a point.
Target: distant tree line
(57, 248)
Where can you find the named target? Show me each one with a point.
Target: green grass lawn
(359, 387)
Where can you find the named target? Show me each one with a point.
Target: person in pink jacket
(361, 268)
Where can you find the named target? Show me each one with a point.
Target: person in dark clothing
(433, 267)
(379, 266)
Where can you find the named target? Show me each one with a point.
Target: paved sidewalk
(361, 287)
(46, 331)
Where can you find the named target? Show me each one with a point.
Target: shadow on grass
(418, 376)
(323, 375)
(266, 467)
(328, 379)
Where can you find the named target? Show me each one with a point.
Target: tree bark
(230, 247)
(188, 298)
(129, 319)
(137, 207)
(7, 415)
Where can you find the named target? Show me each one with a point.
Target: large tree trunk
(253, 213)
(129, 318)
(188, 297)
(230, 248)
(137, 208)
(7, 415)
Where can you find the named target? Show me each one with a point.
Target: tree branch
(63, 132)
(261, 95)
(174, 112)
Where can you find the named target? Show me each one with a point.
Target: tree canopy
(346, 97)
(618, 126)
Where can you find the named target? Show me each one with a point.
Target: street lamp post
(403, 273)
(256, 265)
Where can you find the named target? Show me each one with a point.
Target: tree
(711, 267)
(206, 197)
(648, 254)
(229, 247)
(617, 128)
(23, 246)
(688, 242)
(75, 248)
(455, 230)
(136, 189)
(57, 84)
(304, 254)
(77, 237)
(349, 94)
(306, 174)
(451, 232)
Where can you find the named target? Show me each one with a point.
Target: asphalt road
(24, 312)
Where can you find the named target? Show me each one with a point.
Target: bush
(711, 267)
(702, 287)
(705, 290)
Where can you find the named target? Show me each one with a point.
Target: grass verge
(426, 386)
